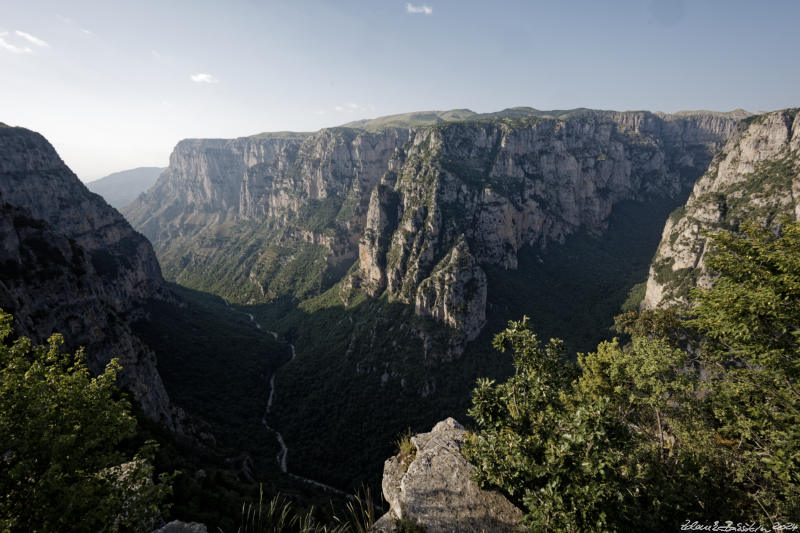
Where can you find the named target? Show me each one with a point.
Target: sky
(115, 85)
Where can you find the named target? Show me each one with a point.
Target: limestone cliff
(259, 217)
(499, 185)
(72, 264)
(756, 175)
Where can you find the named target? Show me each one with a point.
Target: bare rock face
(455, 292)
(756, 175)
(380, 223)
(437, 492)
(72, 264)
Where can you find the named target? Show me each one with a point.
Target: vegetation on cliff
(61, 439)
(647, 434)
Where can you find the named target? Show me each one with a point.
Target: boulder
(436, 489)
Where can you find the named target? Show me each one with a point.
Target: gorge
(406, 242)
(366, 267)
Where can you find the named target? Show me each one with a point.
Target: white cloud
(351, 107)
(87, 32)
(204, 78)
(416, 10)
(9, 47)
(32, 39)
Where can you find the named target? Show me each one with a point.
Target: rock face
(455, 292)
(421, 207)
(72, 264)
(756, 175)
(436, 489)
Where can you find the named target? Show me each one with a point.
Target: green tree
(60, 430)
(559, 458)
(697, 417)
(750, 322)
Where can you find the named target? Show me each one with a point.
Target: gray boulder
(176, 526)
(436, 489)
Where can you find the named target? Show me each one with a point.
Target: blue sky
(114, 85)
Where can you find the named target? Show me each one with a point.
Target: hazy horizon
(116, 86)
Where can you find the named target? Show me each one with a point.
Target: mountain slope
(121, 188)
(72, 264)
(756, 175)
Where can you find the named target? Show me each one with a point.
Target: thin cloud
(14, 49)
(87, 32)
(32, 39)
(351, 107)
(204, 78)
(419, 10)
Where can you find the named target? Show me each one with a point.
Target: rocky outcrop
(72, 264)
(176, 526)
(756, 175)
(455, 292)
(436, 490)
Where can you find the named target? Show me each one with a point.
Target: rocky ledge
(436, 489)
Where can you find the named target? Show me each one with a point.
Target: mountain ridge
(72, 264)
(121, 188)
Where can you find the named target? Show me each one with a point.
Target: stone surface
(436, 490)
(72, 264)
(455, 292)
(756, 175)
(176, 526)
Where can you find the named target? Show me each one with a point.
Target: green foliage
(572, 291)
(559, 460)
(205, 337)
(60, 434)
(281, 515)
(318, 215)
(407, 525)
(643, 436)
(359, 512)
(750, 320)
(635, 297)
(406, 451)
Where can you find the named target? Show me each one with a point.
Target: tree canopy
(61, 464)
(696, 418)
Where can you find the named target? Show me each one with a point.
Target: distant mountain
(410, 120)
(121, 188)
(429, 118)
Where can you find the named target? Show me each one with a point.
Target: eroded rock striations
(72, 264)
(436, 489)
(420, 207)
(756, 175)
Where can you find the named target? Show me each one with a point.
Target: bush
(644, 436)
(60, 435)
